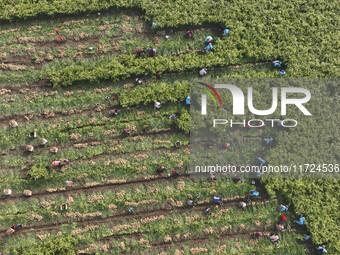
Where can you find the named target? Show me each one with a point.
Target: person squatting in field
(274, 238)
(189, 34)
(60, 162)
(257, 235)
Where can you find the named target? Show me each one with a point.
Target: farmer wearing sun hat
(209, 39)
(274, 238)
(279, 227)
(203, 72)
(242, 205)
(157, 105)
(321, 249)
(277, 63)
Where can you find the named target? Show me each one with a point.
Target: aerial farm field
(65, 65)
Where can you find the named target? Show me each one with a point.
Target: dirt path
(44, 86)
(30, 162)
(149, 180)
(39, 149)
(122, 216)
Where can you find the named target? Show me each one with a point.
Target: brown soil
(125, 216)
(82, 189)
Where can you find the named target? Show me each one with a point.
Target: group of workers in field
(253, 194)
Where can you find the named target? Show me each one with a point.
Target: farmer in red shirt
(283, 218)
(140, 52)
(126, 132)
(257, 235)
(152, 52)
(158, 75)
(189, 34)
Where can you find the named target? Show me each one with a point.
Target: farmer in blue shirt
(226, 32)
(283, 208)
(282, 72)
(187, 100)
(280, 123)
(321, 249)
(254, 193)
(209, 39)
(261, 161)
(209, 47)
(306, 237)
(276, 63)
(217, 200)
(301, 220)
(268, 140)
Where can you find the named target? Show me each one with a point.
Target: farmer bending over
(301, 220)
(187, 100)
(276, 63)
(113, 112)
(16, 227)
(209, 39)
(217, 200)
(190, 203)
(189, 34)
(321, 249)
(274, 238)
(139, 81)
(207, 211)
(152, 52)
(283, 208)
(126, 132)
(209, 47)
(242, 205)
(257, 235)
(254, 193)
(203, 72)
(175, 173)
(158, 75)
(140, 52)
(157, 105)
(283, 218)
(279, 227)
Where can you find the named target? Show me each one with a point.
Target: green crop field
(62, 86)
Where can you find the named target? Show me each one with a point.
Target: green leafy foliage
(38, 171)
(163, 92)
(64, 245)
(183, 122)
